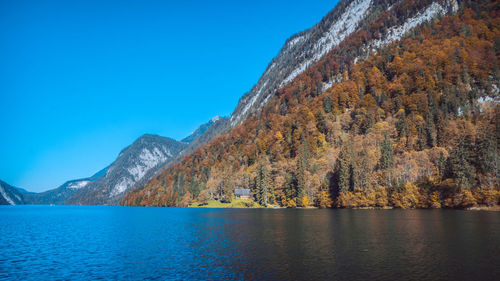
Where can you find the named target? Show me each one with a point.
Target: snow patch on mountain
(397, 32)
(7, 198)
(122, 185)
(295, 40)
(148, 159)
(78, 184)
(345, 25)
(392, 6)
(235, 119)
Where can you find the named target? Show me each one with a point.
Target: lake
(104, 242)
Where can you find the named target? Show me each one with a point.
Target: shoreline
(494, 208)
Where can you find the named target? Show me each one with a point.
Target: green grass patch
(236, 203)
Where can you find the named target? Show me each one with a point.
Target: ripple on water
(84, 242)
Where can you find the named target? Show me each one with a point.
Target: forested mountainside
(302, 50)
(10, 195)
(305, 48)
(412, 124)
(202, 135)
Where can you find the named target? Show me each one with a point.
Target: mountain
(23, 191)
(10, 195)
(134, 165)
(305, 48)
(62, 193)
(200, 130)
(388, 104)
(300, 51)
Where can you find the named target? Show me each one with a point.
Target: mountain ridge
(404, 126)
(97, 189)
(10, 195)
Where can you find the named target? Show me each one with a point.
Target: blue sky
(80, 80)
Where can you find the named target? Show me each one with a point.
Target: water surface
(91, 242)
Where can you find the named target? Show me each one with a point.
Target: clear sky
(82, 79)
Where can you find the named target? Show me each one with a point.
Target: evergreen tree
(263, 188)
(302, 168)
(386, 157)
(488, 157)
(430, 130)
(290, 186)
(327, 105)
(462, 171)
(344, 168)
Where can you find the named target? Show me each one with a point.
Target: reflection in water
(175, 243)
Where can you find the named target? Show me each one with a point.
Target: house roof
(241, 192)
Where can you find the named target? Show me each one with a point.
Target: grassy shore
(250, 204)
(236, 203)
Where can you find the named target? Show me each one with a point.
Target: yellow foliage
(292, 203)
(305, 201)
(279, 137)
(434, 198)
(343, 200)
(464, 199)
(487, 196)
(380, 126)
(381, 199)
(373, 197)
(408, 198)
(323, 199)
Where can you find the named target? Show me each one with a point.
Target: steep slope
(135, 164)
(23, 191)
(200, 130)
(375, 122)
(300, 51)
(9, 195)
(305, 48)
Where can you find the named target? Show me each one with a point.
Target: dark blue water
(86, 243)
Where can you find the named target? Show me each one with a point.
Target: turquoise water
(91, 242)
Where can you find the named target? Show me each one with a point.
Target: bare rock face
(134, 165)
(305, 48)
(10, 195)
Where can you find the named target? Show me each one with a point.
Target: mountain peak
(215, 118)
(10, 195)
(201, 129)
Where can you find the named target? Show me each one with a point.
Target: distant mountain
(134, 165)
(201, 130)
(62, 193)
(23, 191)
(10, 195)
